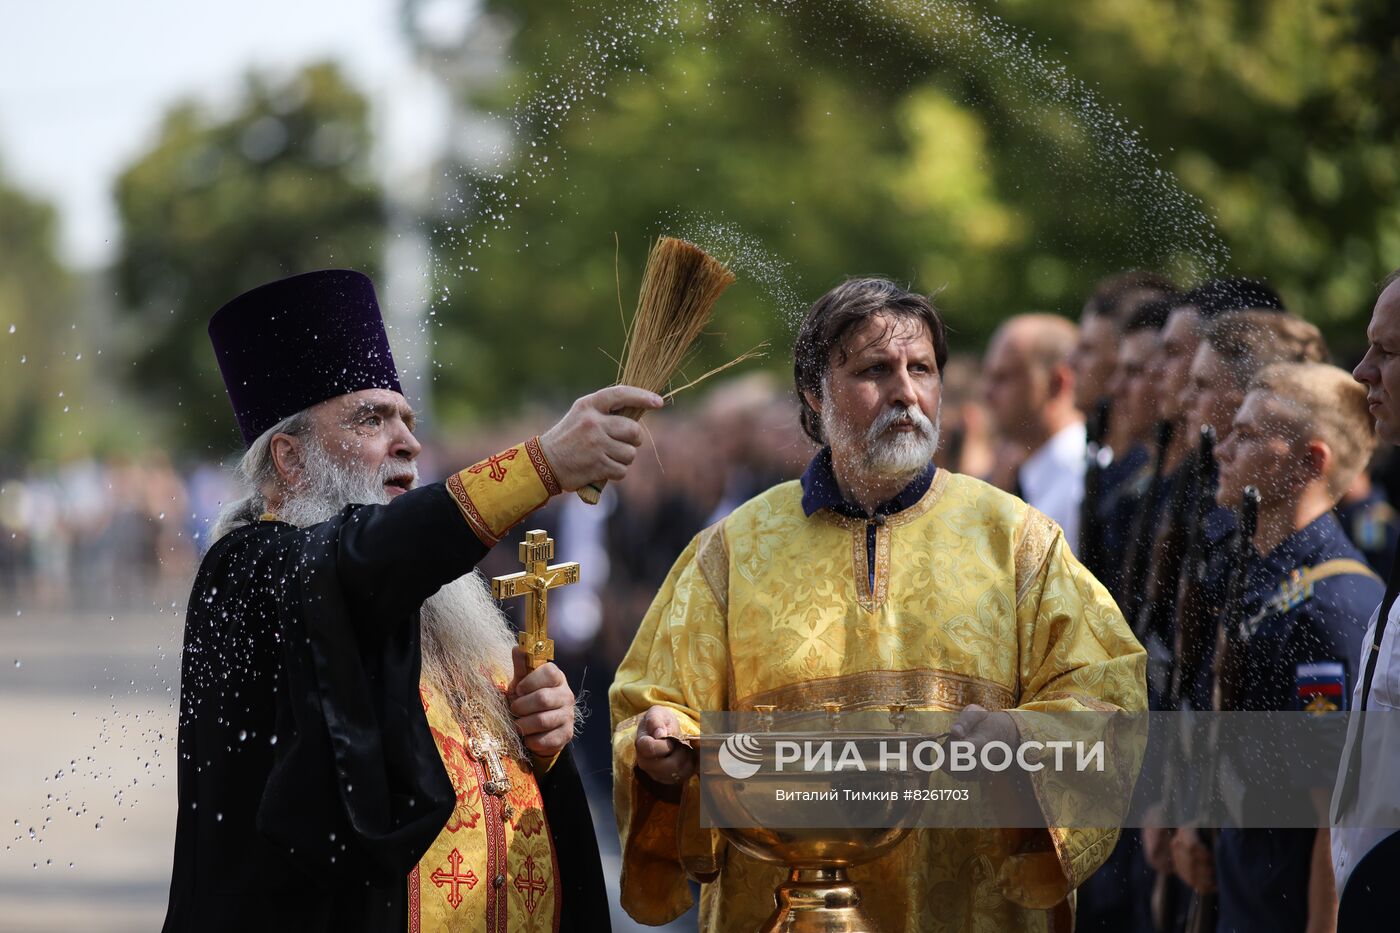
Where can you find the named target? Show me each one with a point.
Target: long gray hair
(256, 472)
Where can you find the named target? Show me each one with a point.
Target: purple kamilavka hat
(289, 344)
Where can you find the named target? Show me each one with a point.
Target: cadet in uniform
(1301, 436)
(1371, 522)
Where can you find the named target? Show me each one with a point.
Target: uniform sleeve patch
(1321, 686)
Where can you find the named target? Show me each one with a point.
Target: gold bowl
(817, 846)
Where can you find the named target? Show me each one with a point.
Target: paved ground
(87, 773)
(87, 713)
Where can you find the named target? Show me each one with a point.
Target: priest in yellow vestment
(876, 580)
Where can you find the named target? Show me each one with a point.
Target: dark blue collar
(1306, 545)
(819, 490)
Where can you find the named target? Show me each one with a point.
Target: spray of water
(1168, 228)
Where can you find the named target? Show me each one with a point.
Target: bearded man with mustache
(361, 748)
(876, 580)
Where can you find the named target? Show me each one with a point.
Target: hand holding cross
(534, 583)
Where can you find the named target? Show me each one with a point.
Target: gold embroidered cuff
(495, 494)
(542, 467)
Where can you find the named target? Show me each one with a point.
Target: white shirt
(1052, 480)
(1374, 813)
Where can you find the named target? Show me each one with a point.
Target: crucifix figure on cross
(534, 583)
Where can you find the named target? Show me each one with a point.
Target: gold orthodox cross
(534, 583)
(486, 749)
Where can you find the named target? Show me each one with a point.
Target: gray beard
(466, 639)
(466, 655)
(888, 456)
(326, 487)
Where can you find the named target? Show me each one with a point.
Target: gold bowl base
(818, 900)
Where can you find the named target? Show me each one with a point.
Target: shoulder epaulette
(1298, 587)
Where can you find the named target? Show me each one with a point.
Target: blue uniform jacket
(1374, 528)
(1301, 644)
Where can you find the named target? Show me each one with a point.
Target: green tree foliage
(226, 201)
(1283, 117)
(37, 355)
(955, 151)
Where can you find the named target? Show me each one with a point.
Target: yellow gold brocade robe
(976, 599)
(484, 872)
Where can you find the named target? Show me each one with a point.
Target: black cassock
(309, 784)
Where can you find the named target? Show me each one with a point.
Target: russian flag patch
(1321, 686)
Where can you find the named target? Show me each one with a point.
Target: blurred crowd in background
(96, 534)
(127, 532)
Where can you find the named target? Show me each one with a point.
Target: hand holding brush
(679, 290)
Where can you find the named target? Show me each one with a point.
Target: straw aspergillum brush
(679, 290)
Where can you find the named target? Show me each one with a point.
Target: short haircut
(836, 314)
(1152, 315)
(1049, 339)
(1219, 296)
(1250, 340)
(961, 379)
(1117, 296)
(1327, 404)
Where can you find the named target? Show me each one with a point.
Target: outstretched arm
(392, 557)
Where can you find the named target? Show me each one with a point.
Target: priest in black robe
(360, 748)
